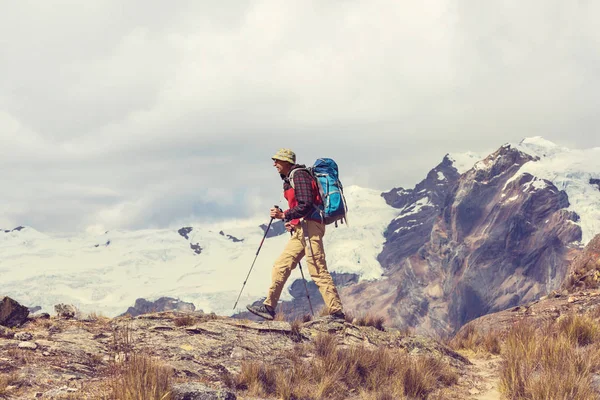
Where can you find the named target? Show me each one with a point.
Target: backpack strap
(292, 172)
(345, 219)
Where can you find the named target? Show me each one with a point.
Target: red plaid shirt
(302, 197)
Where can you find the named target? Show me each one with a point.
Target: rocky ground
(57, 358)
(549, 308)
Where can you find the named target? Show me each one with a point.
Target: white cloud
(145, 111)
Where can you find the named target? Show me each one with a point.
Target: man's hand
(289, 227)
(277, 213)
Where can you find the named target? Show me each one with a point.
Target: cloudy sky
(142, 114)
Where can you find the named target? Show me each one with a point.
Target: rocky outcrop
(196, 248)
(420, 209)
(277, 228)
(66, 311)
(78, 358)
(538, 313)
(584, 271)
(143, 306)
(12, 313)
(17, 229)
(596, 182)
(35, 309)
(232, 238)
(185, 231)
(486, 240)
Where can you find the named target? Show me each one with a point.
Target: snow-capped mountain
(478, 234)
(499, 234)
(573, 171)
(205, 265)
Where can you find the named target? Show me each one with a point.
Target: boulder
(65, 311)
(12, 313)
(28, 346)
(23, 336)
(143, 306)
(198, 391)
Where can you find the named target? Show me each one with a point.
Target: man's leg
(282, 268)
(317, 266)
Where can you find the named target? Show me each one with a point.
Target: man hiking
(302, 194)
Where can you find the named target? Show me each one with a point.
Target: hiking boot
(338, 315)
(262, 311)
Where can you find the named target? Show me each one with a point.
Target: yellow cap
(285, 155)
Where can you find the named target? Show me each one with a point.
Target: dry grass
(369, 320)
(186, 320)
(580, 330)
(94, 360)
(471, 338)
(552, 362)
(140, 377)
(6, 333)
(122, 344)
(70, 396)
(349, 316)
(96, 317)
(7, 380)
(587, 276)
(279, 316)
(46, 324)
(336, 373)
(134, 375)
(21, 356)
(295, 327)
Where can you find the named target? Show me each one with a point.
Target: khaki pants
(295, 249)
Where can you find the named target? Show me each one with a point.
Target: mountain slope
(491, 238)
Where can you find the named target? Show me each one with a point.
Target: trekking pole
(255, 257)
(306, 287)
(304, 280)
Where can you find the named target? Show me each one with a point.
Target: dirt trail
(486, 374)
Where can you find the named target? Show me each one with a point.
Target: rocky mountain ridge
(579, 294)
(475, 243)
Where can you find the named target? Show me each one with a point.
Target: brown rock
(198, 391)
(12, 314)
(23, 336)
(28, 346)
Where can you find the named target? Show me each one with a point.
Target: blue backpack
(334, 208)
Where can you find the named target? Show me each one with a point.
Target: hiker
(300, 219)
